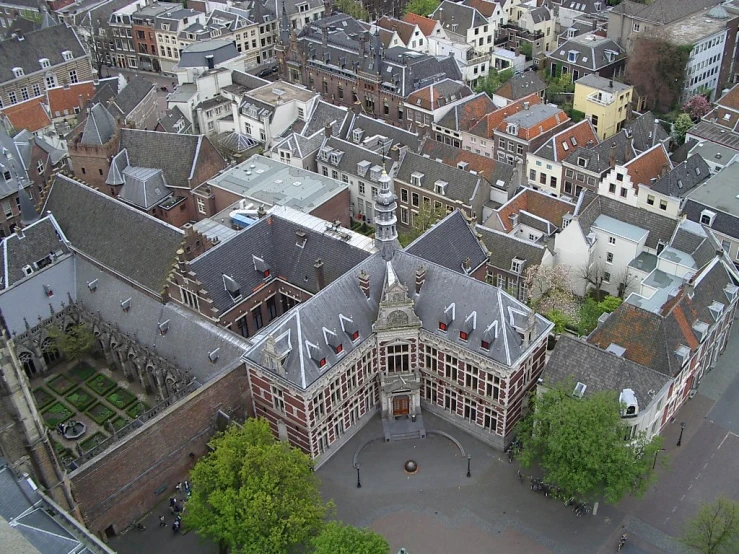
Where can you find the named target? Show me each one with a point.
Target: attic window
(93, 285)
(485, 345)
(213, 356)
(301, 238)
(44, 63)
(572, 56)
(232, 287)
(582, 162)
(707, 217)
(516, 265)
(463, 335)
(573, 140)
(683, 354)
(565, 146)
(512, 129)
(67, 55)
(18, 71)
(48, 291)
(339, 348)
(440, 187)
(357, 135)
(731, 291)
(716, 309)
(126, 304)
(442, 326)
(579, 390)
(322, 362)
(266, 273)
(355, 335)
(701, 330)
(27, 270)
(164, 327)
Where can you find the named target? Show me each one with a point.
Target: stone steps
(405, 436)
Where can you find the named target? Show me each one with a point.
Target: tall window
(271, 308)
(278, 400)
(201, 205)
(190, 299)
(257, 316)
(73, 76)
(50, 81)
(242, 326)
(398, 357)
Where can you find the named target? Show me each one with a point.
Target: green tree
(715, 529)
(422, 7)
(353, 8)
(579, 443)
(75, 342)
(422, 221)
(493, 81)
(253, 494)
(337, 538)
(682, 125)
(526, 49)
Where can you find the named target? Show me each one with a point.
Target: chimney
(327, 130)
(357, 107)
(324, 39)
(209, 60)
(530, 332)
(665, 170)
(361, 46)
(165, 294)
(655, 128)
(81, 103)
(690, 287)
(181, 261)
(612, 156)
(525, 105)
(629, 148)
(420, 278)
(595, 24)
(610, 83)
(467, 264)
(364, 283)
(320, 276)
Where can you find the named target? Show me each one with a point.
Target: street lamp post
(359, 483)
(680, 439)
(655, 457)
(469, 457)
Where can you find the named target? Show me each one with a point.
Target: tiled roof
(426, 24)
(664, 11)
(438, 95)
(536, 203)
(724, 222)
(597, 158)
(521, 85)
(461, 185)
(458, 15)
(104, 229)
(487, 124)
(405, 30)
(592, 205)
(560, 145)
(591, 52)
(535, 121)
(371, 127)
(649, 165)
(100, 126)
(730, 99)
(63, 100)
(642, 129)
(485, 7)
(132, 95)
(325, 114)
(716, 133)
(46, 43)
(463, 116)
(503, 248)
(683, 178)
(450, 243)
(40, 239)
(30, 115)
(489, 168)
(575, 361)
(273, 239)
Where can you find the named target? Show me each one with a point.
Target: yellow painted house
(604, 102)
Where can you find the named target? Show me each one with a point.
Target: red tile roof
(485, 7)
(730, 99)
(30, 115)
(67, 98)
(426, 24)
(403, 28)
(536, 203)
(450, 155)
(491, 121)
(577, 135)
(648, 165)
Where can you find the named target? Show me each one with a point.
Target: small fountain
(72, 429)
(410, 467)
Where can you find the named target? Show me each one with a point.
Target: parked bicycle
(621, 542)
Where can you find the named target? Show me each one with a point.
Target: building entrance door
(401, 405)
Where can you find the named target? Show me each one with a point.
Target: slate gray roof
(143, 187)
(450, 243)
(663, 11)
(298, 145)
(100, 126)
(372, 127)
(591, 205)
(11, 160)
(131, 96)
(353, 154)
(45, 43)
(465, 17)
(591, 53)
(683, 177)
(195, 54)
(724, 222)
(31, 517)
(494, 311)
(55, 154)
(503, 248)
(104, 229)
(273, 239)
(40, 240)
(461, 185)
(247, 80)
(465, 114)
(171, 117)
(540, 14)
(585, 6)
(597, 158)
(325, 114)
(642, 129)
(522, 85)
(175, 154)
(188, 340)
(574, 360)
(693, 239)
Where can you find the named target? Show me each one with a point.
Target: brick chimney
(327, 130)
(357, 107)
(320, 276)
(612, 156)
(655, 128)
(364, 282)
(420, 278)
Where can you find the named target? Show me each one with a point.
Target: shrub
(81, 372)
(80, 399)
(121, 398)
(100, 413)
(137, 409)
(61, 385)
(93, 441)
(101, 384)
(55, 414)
(119, 423)
(43, 397)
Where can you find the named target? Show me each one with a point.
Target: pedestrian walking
(172, 501)
(162, 523)
(179, 486)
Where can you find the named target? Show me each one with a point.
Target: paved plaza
(439, 510)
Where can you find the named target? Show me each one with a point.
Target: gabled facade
(424, 107)
(467, 24)
(586, 55)
(454, 128)
(605, 103)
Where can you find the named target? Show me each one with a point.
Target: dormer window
(572, 56)
(707, 217)
(416, 179)
(67, 55)
(355, 336)
(716, 309)
(516, 265)
(322, 362)
(463, 335)
(440, 187)
(362, 168)
(357, 135)
(442, 326)
(266, 273)
(582, 162)
(512, 129)
(44, 63)
(18, 71)
(579, 391)
(339, 348)
(485, 345)
(375, 173)
(683, 354)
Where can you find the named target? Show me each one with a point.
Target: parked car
(267, 71)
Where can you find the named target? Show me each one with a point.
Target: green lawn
(121, 398)
(43, 397)
(101, 384)
(119, 423)
(61, 384)
(81, 372)
(80, 399)
(137, 409)
(55, 414)
(100, 413)
(93, 441)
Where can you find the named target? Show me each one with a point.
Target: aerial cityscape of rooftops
(369, 276)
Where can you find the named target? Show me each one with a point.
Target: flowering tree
(697, 107)
(549, 292)
(541, 279)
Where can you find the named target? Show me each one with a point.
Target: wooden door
(401, 405)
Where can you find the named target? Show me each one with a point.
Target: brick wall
(81, 65)
(127, 481)
(209, 163)
(337, 208)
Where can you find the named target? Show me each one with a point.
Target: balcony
(601, 98)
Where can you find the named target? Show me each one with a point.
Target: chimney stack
(320, 276)
(357, 107)
(612, 156)
(210, 61)
(530, 331)
(467, 264)
(324, 38)
(420, 278)
(327, 130)
(364, 283)
(655, 128)
(629, 148)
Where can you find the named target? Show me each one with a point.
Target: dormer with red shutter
(447, 317)
(349, 327)
(261, 266)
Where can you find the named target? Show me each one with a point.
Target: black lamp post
(469, 457)
(680, 439)
(655, 457)
(359, 483)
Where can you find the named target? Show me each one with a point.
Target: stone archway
(29, 365)
(49, 351)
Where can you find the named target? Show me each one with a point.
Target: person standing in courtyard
(162, 523)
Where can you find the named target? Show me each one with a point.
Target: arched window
(49, 350)
(29, 365)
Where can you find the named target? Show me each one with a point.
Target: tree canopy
(426, 217)
(493, 81)
(337, 538)
(657, 69)
(422, 7)
(715, 529)
(580, 444)
(253, 494)
(353, 8)
(680, 128)
(75, 342)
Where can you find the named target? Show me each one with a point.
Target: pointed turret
(28, 212)
(284, 26)
(386, 233)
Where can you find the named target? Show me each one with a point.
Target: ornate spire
(386, 233)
